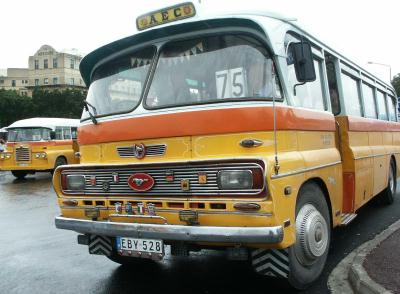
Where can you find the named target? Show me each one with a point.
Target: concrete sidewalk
(376, 265)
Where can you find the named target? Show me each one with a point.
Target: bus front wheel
(302, 263)
(19, 174)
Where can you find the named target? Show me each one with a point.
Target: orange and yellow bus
(39, 144)
(240, 132)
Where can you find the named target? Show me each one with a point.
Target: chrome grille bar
(162, 186)
(23, 154)
(151, 150)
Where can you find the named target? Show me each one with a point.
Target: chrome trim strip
(303, 170)
(261, 235)
(199, 211)
(370, 156)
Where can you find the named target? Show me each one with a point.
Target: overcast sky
(361, 30)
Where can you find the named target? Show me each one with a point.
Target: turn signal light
(246, 206)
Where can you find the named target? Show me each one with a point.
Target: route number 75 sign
(231, 83)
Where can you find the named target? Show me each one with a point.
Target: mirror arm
(294, 87)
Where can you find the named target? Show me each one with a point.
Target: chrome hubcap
(312, 235)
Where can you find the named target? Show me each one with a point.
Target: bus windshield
(117, 85)
(212, 69)
(28, 134)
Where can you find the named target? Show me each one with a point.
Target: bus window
(212, 69)
(59, 134)
(391, 108)
(74, 133)
(117, 85)
(380, 98)
(369, 101)
(333, 87)
(308, 95)
(351, 95)
(67, 133)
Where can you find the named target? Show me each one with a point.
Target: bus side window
(59, 135)
(391, 108)
(333, 87)
(67, 133)
(74, 133)
(380, 99)
(351, 95)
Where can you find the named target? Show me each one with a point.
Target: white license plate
(22, 164)
(140, 245)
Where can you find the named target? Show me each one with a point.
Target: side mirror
(52, 135)
(303, 61)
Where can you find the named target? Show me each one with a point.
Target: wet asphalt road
(37, 258)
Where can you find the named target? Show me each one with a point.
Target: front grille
(151, 150)
(162, 187)
(23, 154)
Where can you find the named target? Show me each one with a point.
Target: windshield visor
(212, 69)
(28, 134)
(117, 85)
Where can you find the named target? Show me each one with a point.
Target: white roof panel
(45, 122)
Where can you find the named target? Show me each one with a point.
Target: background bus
(39, 144)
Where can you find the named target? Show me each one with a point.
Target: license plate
(140, 245)
(22, 164)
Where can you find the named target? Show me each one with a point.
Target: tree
(43, 103)
(396, 84)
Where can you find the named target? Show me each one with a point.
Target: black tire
(59, 161)
(19, 174)
(387, 196)
(307, 257)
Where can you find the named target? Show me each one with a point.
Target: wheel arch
(320, 182)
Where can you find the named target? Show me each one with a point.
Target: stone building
(48, 69)
(15, 79)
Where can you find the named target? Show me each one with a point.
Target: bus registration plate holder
(135, 247)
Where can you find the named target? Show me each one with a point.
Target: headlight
(37, 155)
(41, 155)
(74, 182)
(235, 179)
(2, 156)
(8, 155)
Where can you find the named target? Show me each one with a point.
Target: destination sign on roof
(165, 15)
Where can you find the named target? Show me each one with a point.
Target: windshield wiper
(87, 105)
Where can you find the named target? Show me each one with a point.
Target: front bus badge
(202, 178)
(185, 185)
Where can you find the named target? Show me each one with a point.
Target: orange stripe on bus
(205, 122)
(363, 124)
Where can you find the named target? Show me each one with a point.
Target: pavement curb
(358, 276)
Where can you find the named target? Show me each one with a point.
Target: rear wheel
(388, 194)
(19, 174)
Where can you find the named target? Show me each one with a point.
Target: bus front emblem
(141, 182)
(139, 150)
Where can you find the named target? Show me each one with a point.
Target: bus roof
(203, 20)
(44, 122)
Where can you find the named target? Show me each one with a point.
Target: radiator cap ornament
(141, 182)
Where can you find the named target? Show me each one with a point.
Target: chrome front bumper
(260, 235)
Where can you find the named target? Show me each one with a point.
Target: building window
(72, 63)
(36, 64)
(71, 81)
(46, 81)
(26, 81)
(55, 81)
(55, 63)
(1, 81)
(46, 63)
(36, 82)
(13, 84)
